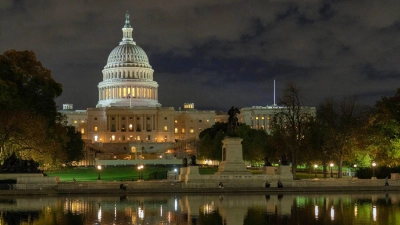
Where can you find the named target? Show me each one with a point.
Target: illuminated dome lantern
(128, 75)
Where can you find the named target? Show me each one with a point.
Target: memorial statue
(184, 162)
(233, 121)
(193, 162)
(266, 162)
(284, 161)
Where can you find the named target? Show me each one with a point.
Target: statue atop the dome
(233, 121)
(127, 21)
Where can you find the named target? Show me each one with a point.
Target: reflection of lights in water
(374, 213)
(355, 210)
(176, 204)
(208, 208)
(115, 211)
(141, 212)
(316, 212)
(99, 214)
(332, 213)
(161, 210)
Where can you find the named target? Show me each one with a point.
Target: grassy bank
(111, 173)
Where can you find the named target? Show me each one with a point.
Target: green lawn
(111, 173)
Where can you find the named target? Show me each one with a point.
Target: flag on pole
(128, 96)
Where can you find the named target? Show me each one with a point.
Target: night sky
(216, 53)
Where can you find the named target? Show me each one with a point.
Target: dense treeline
(30, 126)
(339, 131)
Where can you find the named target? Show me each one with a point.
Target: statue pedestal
(182, 174)
(271, 170)
(285, 173)
(232, 158)
(192, 173)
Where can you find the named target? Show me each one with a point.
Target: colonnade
(261, 121)
(120, 92)
(140, 74)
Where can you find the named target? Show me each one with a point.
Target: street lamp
(140, 167)
(355, 170)
(331, 165)
(99, 169)
(315, 170)
(175, 170)
(373, 170)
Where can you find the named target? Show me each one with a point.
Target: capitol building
(129, 124)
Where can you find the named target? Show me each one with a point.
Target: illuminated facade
(128, 119)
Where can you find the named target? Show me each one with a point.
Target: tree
(29, 124)
(27, 85)
(74, 145)
(290, 123)
(384, 127)
(210, 144)
(342, 122)
(254, 143)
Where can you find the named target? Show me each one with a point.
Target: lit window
(165, 127)
(208, 121)
(191, 130)
(113, 137)
(262, 118)
(262, 127)
(82, 130)
(138, 138)
(183, 130)
(130, 127)
(75, 121)
(176, 121)
(95, 138)
(95, 128)
(82, 121)
(256, 117)
(176, 130)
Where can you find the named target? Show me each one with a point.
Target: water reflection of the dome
(229, 209)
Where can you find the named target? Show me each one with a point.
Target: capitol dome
(128, 76)
(127, 55)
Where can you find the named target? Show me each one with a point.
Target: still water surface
(227, 209)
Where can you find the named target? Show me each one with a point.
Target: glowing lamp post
(373, 170)
(99, 169)
(140, 167)
(175, 170)
(331, 165)
(315, 170)
(355, 170)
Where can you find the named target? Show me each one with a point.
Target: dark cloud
(216, 53)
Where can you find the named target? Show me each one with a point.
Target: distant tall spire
(127, 22)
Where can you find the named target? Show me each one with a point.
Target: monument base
(232, 162)
(285, 173)
(271, 170)
(192, 173)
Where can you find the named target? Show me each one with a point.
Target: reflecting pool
(202, 209)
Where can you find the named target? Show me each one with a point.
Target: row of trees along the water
(30, 126)
(339, 131)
